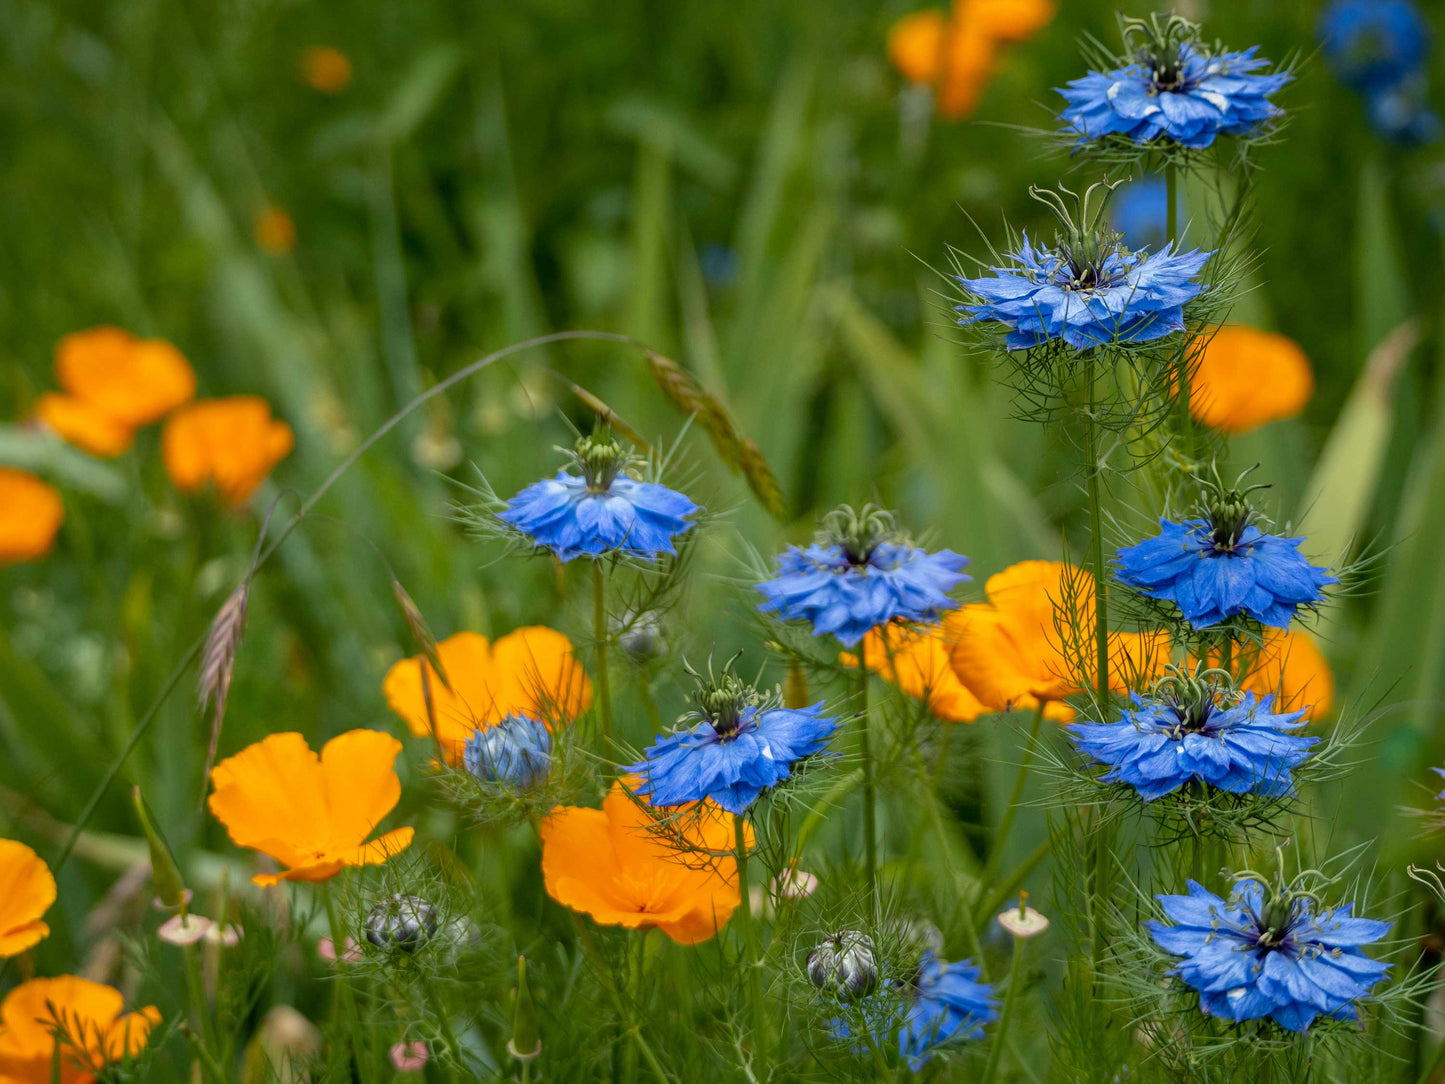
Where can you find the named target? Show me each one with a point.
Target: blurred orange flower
(609, 863)
(27, 890)
(312, 814)
(233, 442)
(1246, 377)
(918, 660)
(113, 384)
(274, 231)
(529, 671)
(31, 513)
(89, 1018)
(1290, 665)
(326, 69)
(957, 54)
(1009, 650)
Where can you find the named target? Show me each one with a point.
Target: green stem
(870, 799)
(599, 630)
(1011, 811)
(454, 1049)
(200, 1016)
(1010, 885)
(345, 998)
(753, 962)
(1096, 528)
(1010, 998)
(1171, 194)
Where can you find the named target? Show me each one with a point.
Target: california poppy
(27, 890)
(530, 671)
(613, 864)
(1246, 377)
(114, 383)
(1290, 665)
(326, 69)
(918, 660)
(232, 442)
(1010, 650)
(88, 1016)
(312, 814)
(31, 513)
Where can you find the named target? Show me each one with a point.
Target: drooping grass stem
(599, 631)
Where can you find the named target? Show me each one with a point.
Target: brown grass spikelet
(420, 631)
(218, 662)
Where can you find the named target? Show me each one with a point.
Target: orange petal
(31, 513)
(917, 661)
(360, 785)
(916, 43)
(232, 442)
(273, 791)
(80, 422)
(27, 891)
(1246, 377)
(1005, 20)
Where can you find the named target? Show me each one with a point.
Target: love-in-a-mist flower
(1222, 565)
(1371, 45)
(516, 753)
(940, 1003)
(735, 745)
(600, 509)
(311, 813)
(1194, 726)
(73, 1023)
(1270, 950)
(1171, 87)
(27, 890)
(860, 572)
(1087, 290)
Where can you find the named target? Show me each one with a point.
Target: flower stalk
(599, 630)
(870, 798)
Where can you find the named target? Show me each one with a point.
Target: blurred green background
(747, 186)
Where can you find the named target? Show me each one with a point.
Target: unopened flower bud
(844, 964)
(171, 892)
(516, 753)
(526, 1041)
(640, 635)
(404, 923)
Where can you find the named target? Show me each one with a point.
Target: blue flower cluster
(1162, 744)
(1267, 953)
(1381, 49)
(1212, 573)
(517, 753)
(1124, 297)
(732, 755)
(1183, 95)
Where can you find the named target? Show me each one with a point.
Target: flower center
(857, 533)
(1193, 697)
(1085, 245)
(601, 459)
(723, 701)
(1159, 43)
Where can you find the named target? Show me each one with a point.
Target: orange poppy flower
(31, 513)
(312, 814)
(26, 892)
(1290, 665)
(233, 442)
(958, 54)
(113, 384)
(274, 231)
(529, 671)
(93, 1028)
(918, 660)
(1246, 377)
(609, 864)
(326, 69)
(1009, 650)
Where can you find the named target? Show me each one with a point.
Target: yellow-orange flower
(1009, 650)
(232, 442)
(93, 1028)
(1246, 377)
(611, 864)
(113, 384)
(529, 671)
(326, 69)
(958, 54)
(274, 230)
(30, 515)
(27, 890)
(312, 814)
(1290, 665)
(918, 659)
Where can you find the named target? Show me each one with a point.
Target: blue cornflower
(1173, 89)
(1373, 45)
(1266, 952)
(1088, 290)
(739, 745)
(601, 510)
(517, 753)
(859, 575)
(1190, 729)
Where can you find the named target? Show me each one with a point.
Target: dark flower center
(1276, 920)
(857, 534)
(1159, 43)
(1085, 245)
(1194, 697)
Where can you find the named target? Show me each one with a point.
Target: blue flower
(1165, 742)
(1266, 953)
(945, 1003)
(601, 510)
(517, 753)
(1373, 45)
(858, 576)
(1123, 297)
(1213, 571)
(1174, 90)
(1399, 113)
(738, 750)
(1139, 212)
